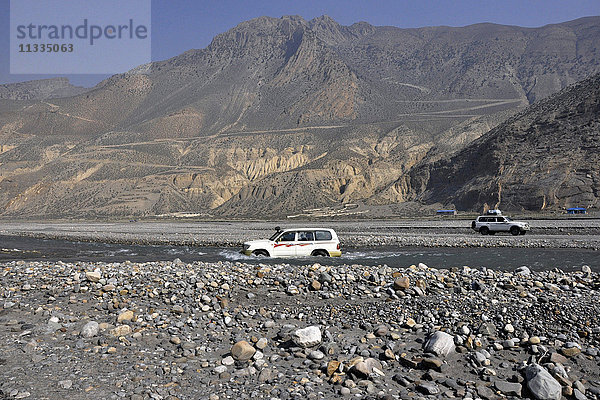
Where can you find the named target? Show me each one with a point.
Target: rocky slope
(40, 89)
(546, 157)
(279, 115)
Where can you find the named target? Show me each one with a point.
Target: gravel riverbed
(559, 233)
(230, 330)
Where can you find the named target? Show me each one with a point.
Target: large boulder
(307, 337)
(242, 351)
(440, 343)
(541, 384)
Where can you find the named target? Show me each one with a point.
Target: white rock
(228, 361)
(66, 384)
(440, 343)
(541, 384)
(93, 276)
(90, 329)
(220, 369)
(523, 271)
(307, 337)
(586, 269)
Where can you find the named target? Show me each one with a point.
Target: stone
(570, 351)
(586, 269)
(407, 362)
(509, 388)
(307, 337)
(428, 388)
(402, 283)
(315, 285)
(558, 358)
(541, 384)
(220, 369)
(534, 340)
(242, 351)
(410, 323)
(261, 343)
(90, 329)
(523, 271)
(381, 330)
(486, 393)
(431, 363)
(389, 354)
(578, 395)
(440, 344)
(120, 330)
(265, 376)
(367, 367)
(125, 316)
(361, 369)
(228, 361)
(332, 367)
(177, 309)
(66, 384)
(93, 276)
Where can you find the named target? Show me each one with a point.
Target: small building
(446, 212)
(576, 210)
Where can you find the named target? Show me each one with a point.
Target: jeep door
(502, 225)
(285, 245)
(305, 243)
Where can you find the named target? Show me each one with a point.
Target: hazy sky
(179, 25)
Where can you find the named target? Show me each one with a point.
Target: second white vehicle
(296, 242)
(490, 224)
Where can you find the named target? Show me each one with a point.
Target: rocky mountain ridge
(278, 115)
(40, 89)
(543, 158)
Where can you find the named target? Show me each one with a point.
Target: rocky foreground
(170, 330)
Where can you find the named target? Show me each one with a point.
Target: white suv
(490, 224)
(296, 243)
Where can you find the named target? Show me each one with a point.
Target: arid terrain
(281, 115)
(174, 330)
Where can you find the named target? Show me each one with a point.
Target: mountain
(40, 89)
(546, 157)
(278, 115)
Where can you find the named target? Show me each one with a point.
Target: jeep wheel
(261, 252)
(514, 230)
(484, 230)
(320, 253)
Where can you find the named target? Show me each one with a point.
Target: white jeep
(492, 223)
(296, 242)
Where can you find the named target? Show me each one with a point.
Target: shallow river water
(18, 248)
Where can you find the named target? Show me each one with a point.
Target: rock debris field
(229, 330)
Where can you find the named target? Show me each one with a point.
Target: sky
(181, 25)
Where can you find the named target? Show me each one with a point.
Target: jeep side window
(323, 235)
(287, 237)
(305, 236)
